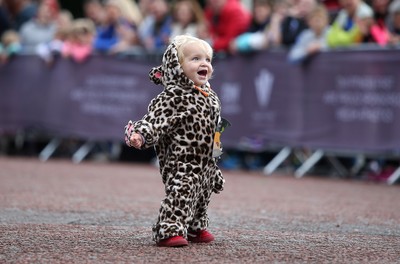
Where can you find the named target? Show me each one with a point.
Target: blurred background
(309, 86)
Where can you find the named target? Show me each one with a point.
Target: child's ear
(156, 75)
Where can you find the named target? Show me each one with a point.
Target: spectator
(49, 50)
(21, 11)
(78, 45)
(394, 22)
(295, 22)
(312, 40)
(144, 7)
(352, 25)
(129, 10)
(187, 17)
(255, 39)
(225, 19)
(10, 45)
(128, 30)
(156, 28)
(119, 33)
(94, 10)
(279, 13)
(53, 6)
(379, 31)
(40, 29)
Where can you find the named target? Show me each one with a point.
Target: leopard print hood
(170, 72)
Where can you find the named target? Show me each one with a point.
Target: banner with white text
(347, 100)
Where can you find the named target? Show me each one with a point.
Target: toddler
(181, 123)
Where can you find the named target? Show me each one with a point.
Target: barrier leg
(394, 177)
(19, 140)
(3, 145)
(309, 163)
(81, 153)
(338, 166)
(46, 153)
(116, 149)
(277, 160)
(358, 164)
(300, 155)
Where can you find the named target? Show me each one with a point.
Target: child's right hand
(128, 133)
(132, 139)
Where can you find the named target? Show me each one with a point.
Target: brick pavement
(60, 212)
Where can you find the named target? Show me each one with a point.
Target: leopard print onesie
(180, 124)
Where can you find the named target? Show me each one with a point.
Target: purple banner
(341, 100)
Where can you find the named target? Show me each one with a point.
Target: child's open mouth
(202, 73)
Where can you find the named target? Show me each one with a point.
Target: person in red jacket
(225, 20)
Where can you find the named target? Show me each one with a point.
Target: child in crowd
(48, 51)
(10, 45)
(312, 40)
(78, 45)
(181, 123)
(187, 17)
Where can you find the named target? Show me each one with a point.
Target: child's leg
(197, 232)
(177, 207)
(213, 182)
(200, 218)
(168, 223)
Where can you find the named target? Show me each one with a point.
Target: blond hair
(129, 10)
(319, 10)
(83, 26)
(183, 40)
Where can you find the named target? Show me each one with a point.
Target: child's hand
(133, 139)
(128, 133)
(136, 140)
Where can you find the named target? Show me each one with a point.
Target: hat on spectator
(364, 11)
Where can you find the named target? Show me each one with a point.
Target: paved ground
(59, 212)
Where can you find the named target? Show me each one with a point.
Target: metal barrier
(342, 101)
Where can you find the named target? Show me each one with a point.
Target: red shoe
(175, 241)
(202, 236)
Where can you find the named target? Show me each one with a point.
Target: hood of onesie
(170, 72)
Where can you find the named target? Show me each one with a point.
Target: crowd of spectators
(304, 27)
